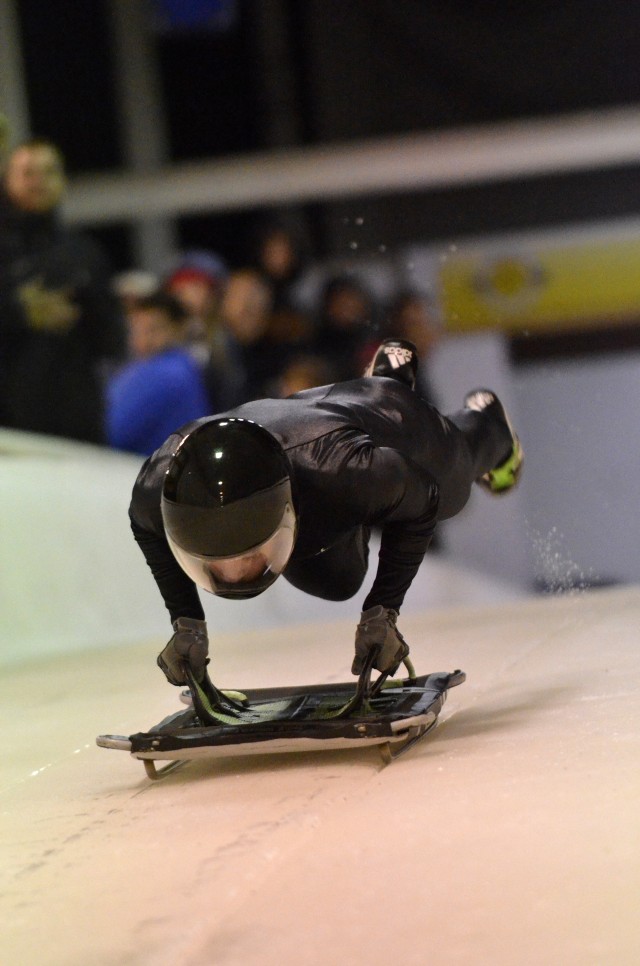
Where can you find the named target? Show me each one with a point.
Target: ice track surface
(509, 837)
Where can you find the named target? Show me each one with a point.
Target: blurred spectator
(246, 308)
(303, 372)
(4, 137)
(162, 386)
(279, 256)
(199, 281)
(60, 323)
(410, 316)
(133, 285)
(346, 336)
(268, 340)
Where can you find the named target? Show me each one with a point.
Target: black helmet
(227, 507)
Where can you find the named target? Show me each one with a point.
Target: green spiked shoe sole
(504, 477)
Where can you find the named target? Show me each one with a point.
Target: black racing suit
(365, 453)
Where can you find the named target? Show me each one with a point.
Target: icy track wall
(70, 577)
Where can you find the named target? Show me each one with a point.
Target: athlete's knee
(344, 592)
(326, 586)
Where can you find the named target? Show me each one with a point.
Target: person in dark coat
(60, 323)
(294, 486)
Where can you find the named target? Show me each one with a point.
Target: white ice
(510, 836)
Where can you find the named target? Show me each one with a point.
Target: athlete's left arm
(403, 501)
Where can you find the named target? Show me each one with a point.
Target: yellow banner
(573, 287)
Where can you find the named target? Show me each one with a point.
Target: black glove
(377, 632)
(189, 645)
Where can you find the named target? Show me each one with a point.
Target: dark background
(352, 69)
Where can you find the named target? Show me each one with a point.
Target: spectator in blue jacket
(162, 386)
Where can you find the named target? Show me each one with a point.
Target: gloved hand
(377, 631)
(189, 645)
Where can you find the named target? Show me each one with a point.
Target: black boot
(503, 477)
(396, 359)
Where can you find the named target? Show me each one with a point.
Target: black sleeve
(402, 499)
(178, 591)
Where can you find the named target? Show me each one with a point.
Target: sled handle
(210, 704)
(365, 690)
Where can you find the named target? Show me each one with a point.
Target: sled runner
(389, 713)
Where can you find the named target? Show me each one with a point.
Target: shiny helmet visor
(245, 574)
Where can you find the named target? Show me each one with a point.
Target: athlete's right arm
(189, 643)
(179, 592)
(177, 589)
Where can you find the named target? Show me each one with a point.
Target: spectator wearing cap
(198, 280)
(132, 285)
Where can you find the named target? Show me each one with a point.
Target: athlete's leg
(396, 359)
(495, 451)
(488, 439)
(336, 573)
